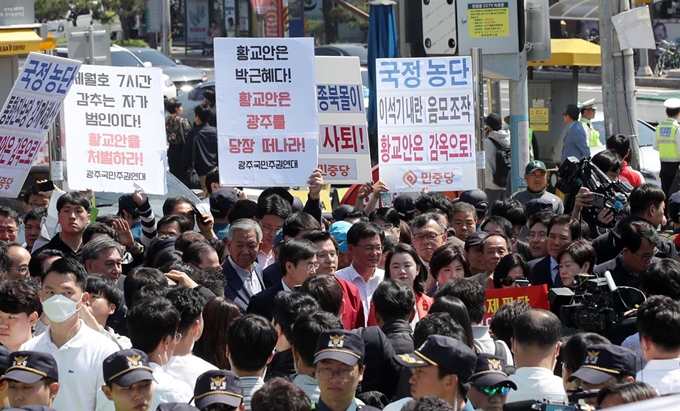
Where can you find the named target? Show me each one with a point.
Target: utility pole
(519, 124)
(478, 98)
(618, 79)
(165, 42)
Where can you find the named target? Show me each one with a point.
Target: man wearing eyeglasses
(9, 224)
(14, 261)
(588, 111)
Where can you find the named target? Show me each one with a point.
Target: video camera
(575, 174)
(588, 308)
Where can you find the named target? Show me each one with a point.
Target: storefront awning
(23, 41)
(575, 10)
(572, 52)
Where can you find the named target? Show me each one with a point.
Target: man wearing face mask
(78, 350)
(183, 365)
(153, 325)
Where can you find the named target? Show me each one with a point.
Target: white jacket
(503, 137)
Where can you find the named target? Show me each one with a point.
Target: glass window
(156, 58)
(124, 59)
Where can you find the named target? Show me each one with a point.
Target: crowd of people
(278, 305)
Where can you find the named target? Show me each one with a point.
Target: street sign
(91, 45)
(16, 12)
(439, 27)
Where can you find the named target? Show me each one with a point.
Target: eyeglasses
(269, 228)
(508, 281)
(645, 258)
(428, 236)
(330, 254)
(312, 266)
(371, 248)
(503, 390)
(327, 374)
(8, 230)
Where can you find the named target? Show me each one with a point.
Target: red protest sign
(536, 296)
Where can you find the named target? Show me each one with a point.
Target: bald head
(538, 328)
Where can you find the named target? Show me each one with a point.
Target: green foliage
(51, 9)
(130, 43)
(343, 15)
(316, 29)
(61, 41)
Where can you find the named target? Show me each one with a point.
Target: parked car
(184, 77)
(650, 165)
(121, 57)
(345, 49)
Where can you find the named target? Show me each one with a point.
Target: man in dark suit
(298, 261)
(562, 230)
(242, 273)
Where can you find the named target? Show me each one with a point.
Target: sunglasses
(503, 390)
(508, 281)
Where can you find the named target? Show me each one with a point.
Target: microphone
(610, 281)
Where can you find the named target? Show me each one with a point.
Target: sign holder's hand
(315, 183)
(125, 236)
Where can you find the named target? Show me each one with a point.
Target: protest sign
(115, 127)
(28, 114)
(268, 132)
(536, 296)
(343, 138)
(426, 133)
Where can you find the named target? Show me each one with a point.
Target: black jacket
(200, 142)
(623, 278)
(281, 365)
(400, 335)
(540, 271)
(607, 249)
(262, 303)
(234, 289)
(382, 371)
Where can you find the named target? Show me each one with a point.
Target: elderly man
(536, 177)
(103, 255)
(241, 270)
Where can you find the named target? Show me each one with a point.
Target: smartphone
(197, 212)
(386, 200)
(44, 187)
(598, 200)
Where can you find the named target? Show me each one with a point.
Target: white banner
(115, 130)
(343, 138)
(28, 114)
(198, 22)
(426, 133)
(268, 131)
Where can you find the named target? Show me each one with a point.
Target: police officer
(666, 143)
(32, 378)
(219, 387)
(587, 115)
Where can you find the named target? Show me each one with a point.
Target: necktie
(558, 281)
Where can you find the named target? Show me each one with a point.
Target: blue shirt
(221, 230)
(575, 142)
(137, 231)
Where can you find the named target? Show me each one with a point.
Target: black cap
(603, 361)
(278, 191)
(405, 205)
(4, 359)
(489, 371)
(30, 367)
(125, 202)
(477, 198)
(447, 353)
(342, 210)
(222, 200)
(494, 121)
(176, 406)
(344, 346)
(673, 205)
(218, 387)
(536, 205)
(33, 408)
(476, 238)
(127, 367)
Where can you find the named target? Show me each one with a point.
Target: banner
(536, 296)
(426, 133)
(115, 123)
(28, 114)
(343, 138)
(197, 20)
(268, 131)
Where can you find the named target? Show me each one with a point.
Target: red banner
(536, 296)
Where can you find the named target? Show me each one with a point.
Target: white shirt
(168, 389)
(366, 288)
(250, 280)
(187, 368)
(398, 405)
(485, 344)
(663, 375)
(536, 383)
(80, 368)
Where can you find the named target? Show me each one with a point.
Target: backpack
(503, 163)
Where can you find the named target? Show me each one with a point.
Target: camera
(588, 308)
(610, 195)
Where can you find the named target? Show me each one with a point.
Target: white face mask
(59, 308)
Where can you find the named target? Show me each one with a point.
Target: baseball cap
(476, 238)
(342, 210)
(489, 371)
(30, 367)
(494, 121)
(534, 165)
(536, 205)
(339, 231)
(477, 198)
(127, 367)
(446, 353)
(603, 361)
(340, 345)
(673, 205)
(176, 406)
(218, 387)
(222, 200)
(405, 204)
(125, 202)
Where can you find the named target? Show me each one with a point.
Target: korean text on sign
(28, 114)
(267, 88)
(426, 123)
(116, 130)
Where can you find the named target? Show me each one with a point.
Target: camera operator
(647, 203)
(602, 366)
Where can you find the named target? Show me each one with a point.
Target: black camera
(588, 308)
(612, 195)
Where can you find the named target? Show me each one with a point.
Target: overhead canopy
(575, 10)
(23, 41)
(572, 52)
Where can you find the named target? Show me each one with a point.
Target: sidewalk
(595, 78)
(192, 57)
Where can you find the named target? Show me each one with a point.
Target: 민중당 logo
(409, 178)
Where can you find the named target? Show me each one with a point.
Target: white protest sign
(426, 134)
(115, 130)
(343, 138)
(268, 132)
(28, 114)
(634, 29)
